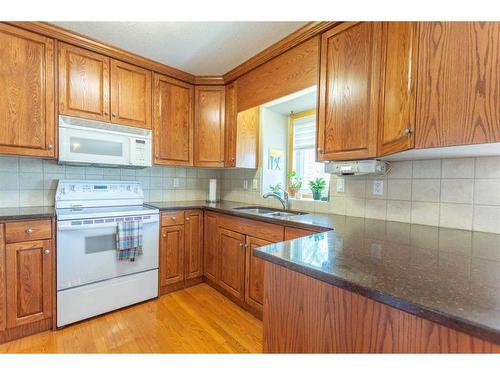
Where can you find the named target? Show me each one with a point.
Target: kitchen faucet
(284, 201)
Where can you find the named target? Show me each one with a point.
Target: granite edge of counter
(231, 211)
(25, 213)
(466, 326)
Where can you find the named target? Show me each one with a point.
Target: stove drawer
(28, 231)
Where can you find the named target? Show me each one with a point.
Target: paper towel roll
(212, 190)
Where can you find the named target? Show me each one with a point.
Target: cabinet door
(2, 279)
(232, 262)
(130, 95)
(171, 255)
(291, 233)
(27, 108)
(211, 247)
(458, 84)
(83, 83)
(173, 121)
(230, 125)
(29, 269)
(254, 272)
(348, 91)
(209, 126)
(397, 117)
(194, 244)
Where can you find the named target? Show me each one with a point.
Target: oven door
(86, 251)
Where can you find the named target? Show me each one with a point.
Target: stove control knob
(72, 187)
(129, 188)
(63, 190)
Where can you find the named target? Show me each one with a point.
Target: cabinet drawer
(28, 230)
(172, 218)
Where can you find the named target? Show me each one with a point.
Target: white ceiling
(200, 48)
(297, 102)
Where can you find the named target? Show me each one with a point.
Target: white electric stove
(90, 278)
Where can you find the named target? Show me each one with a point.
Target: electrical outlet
(176, 183)
(254, 184)
(245, 184)
(378, 187)
(340, 185)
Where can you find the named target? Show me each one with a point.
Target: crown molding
(301, 35)
(292, 40)
(209, 80)
(83, 41)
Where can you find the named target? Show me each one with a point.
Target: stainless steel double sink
(269, 212)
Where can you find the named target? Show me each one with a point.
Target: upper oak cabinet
(242, 132)
(83, 83)
(397, 103)
(96, 87)
(27, 108)
(173, 121)
(349, 91)
(130, 95)
(458, 90)
(209, 126)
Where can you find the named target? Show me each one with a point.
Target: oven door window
(98, 243)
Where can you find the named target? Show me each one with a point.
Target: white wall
(274, 134)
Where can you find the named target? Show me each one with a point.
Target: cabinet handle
(241, 245)
(50, 146)
(163, 235)
(172, 218)
(46, 251)
(408, 131)
(106, 113)
(29, 231)
(187, 219)
(113, 114)
(320, 150)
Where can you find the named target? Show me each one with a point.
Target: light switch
(245, 184)
(176, 183)
(378, 187)
(340, 185)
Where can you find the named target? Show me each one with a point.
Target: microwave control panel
(140, 156)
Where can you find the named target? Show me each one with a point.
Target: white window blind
(304, 132)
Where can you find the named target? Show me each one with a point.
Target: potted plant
(276, 189)
(294, 183)
(317, 186)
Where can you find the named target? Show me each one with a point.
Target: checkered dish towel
(129, 239)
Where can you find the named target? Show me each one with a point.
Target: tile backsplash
(32, 182)
(453, 193)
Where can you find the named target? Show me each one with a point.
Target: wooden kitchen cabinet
(193, 229)
(29, 282)
(171, 255)
(130, 95)
(2, 280)
(211, 247)
(242, 132)
(232, 262)
(27, 82)
(349, 91)
(173, 116)
(399, 62)
(458, 84)
(254, 274)
(83, 83)
(209, 129)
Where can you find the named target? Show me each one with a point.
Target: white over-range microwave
(88, 142)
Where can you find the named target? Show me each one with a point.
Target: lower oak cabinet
(26, 278)
(181, 249)
(228, 257)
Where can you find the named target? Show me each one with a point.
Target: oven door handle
(67, 226)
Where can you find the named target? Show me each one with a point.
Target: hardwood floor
(194, 320)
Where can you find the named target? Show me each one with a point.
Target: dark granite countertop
(19, 213)
(449, 276)
(312, 221)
